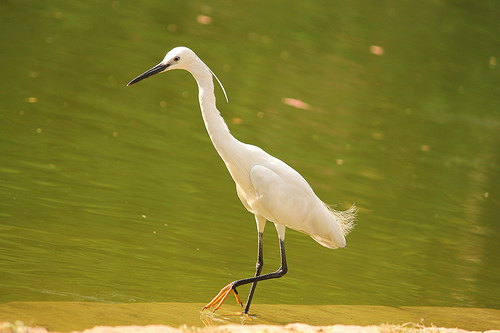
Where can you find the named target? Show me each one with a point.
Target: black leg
(224, 292)
(258, 266)
(279, 273)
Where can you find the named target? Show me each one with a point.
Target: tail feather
(345, 218)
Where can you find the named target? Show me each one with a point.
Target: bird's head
(178, 58)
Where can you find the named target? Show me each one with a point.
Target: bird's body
(267, 187)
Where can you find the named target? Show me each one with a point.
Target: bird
(267, 187)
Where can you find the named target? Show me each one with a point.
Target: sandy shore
(93, 317)
(290, 328)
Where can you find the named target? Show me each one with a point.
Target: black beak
(155, 70)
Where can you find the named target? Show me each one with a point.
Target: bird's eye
(177, 58)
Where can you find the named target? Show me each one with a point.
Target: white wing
(284, 197)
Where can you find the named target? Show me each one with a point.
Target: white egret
(267, 187)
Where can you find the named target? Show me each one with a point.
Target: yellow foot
(221, 297)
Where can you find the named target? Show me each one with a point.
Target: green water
(115, 194)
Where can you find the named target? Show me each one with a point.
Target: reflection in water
(211, 318)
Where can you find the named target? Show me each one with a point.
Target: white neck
(216, 127)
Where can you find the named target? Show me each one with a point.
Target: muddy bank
(82, 316)
(290, 328)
